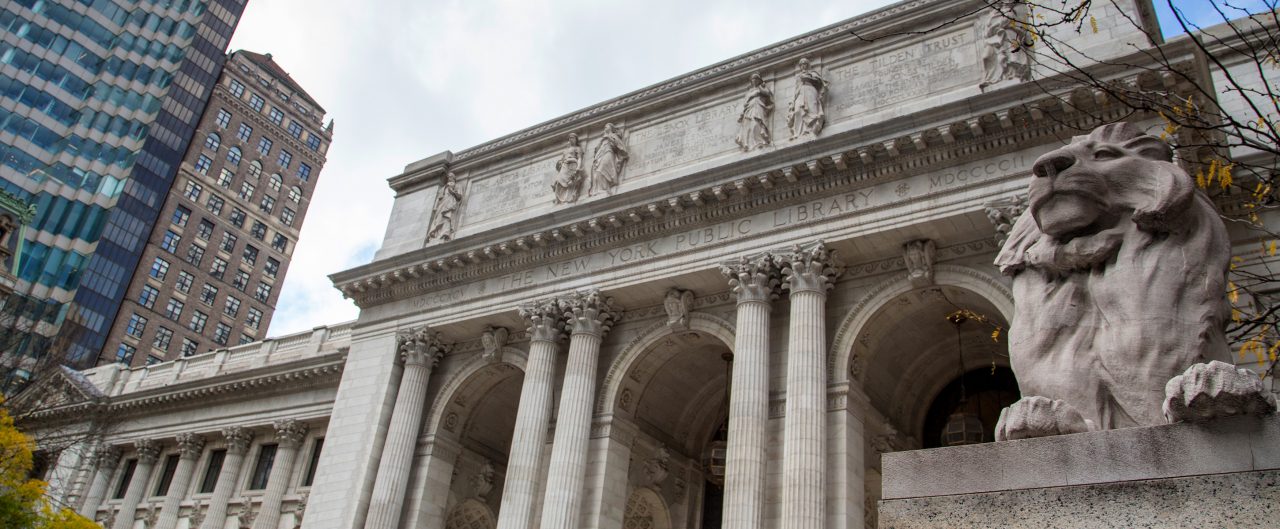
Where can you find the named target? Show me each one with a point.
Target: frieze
(891, 77)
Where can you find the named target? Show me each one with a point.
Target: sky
(407, 79)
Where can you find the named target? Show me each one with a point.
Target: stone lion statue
(1119, 277)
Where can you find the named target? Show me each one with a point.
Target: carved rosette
(589, 312)
(107, 456)
(811, 270)
(238, 439)
(546, 320)
(753, 279)
(190, 445)
(420, 346)
(290, 432)
(148, 450)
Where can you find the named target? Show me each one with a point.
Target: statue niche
(1119, 274)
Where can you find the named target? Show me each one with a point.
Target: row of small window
(267, 204)
(213, 468)
(160, 269)
(275, 115)
(137, 325)
(227, 176)
(212, 141)
(55, 143)
(195, 252)
(60, 77)
(204, 230)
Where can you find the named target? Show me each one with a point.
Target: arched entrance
(646, 510)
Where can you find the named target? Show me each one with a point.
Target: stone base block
(1224, 473)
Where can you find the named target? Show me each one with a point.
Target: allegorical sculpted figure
(608, 159)
(753, 122)
(1005, 55)
(1119, 274)
(806, 116)
(568, 182)
(443, 223)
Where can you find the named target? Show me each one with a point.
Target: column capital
(238, 439)
(753, 279)
(148, 450)
(420, 346)
(289, 432)
(190, 445)
(106, 456)
(812, 269)
(589, 312)
(546, 320)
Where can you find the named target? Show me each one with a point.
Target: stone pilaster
(189, 448)
(520, 494)
(148, 452)
(809, 274)
(105, 459)
(238, 440)
(589, 315)
(754, 283)
(289, 436)
(420, 350)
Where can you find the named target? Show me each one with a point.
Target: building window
(237, 217)
(310, 476)
(246, 191)
(226, 177)
(275, 115)
(125, 478)
(153, 360)
(212, 470)
(195, 254)
(237, 89)
(189, 347)
(223, 119)
(214, 204)
(221, 334)
(147, 298)
(212, 141)
(205, 229)
(233, 156)
(219, 268)
(250, 255)
(286, 216)
(262, 292)
(170, 241)
(243, 132)
(256, 102)
(202, 164)
(184, 282)
(231, 307)
(264, 146)
(267, 204)
(124, 354)
(137, 325)
(262, 467)
(272, 268)
(304, 172)
(180, 216)
(255, 169)
(276, 181)
(279, 242)
(253, 319)
(228, 242)
(284, 159)
(166, 474)
(313, 142)
(244, 339)
(198, 320)
(295, 129)
(163, 337)
(159, 268)
(173, 309)
(295, 194)
(192, 191)
(259, 230)
(208, 293)
(241, 281)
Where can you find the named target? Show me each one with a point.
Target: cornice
(259, 120)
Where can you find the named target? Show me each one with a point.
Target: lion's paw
(1215, 389)
(1039, 417)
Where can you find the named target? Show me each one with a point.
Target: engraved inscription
(509, 192)
(682, 139)
(927, 67)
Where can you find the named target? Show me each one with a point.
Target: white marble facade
(559, 359)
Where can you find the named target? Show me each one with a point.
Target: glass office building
(98, 102)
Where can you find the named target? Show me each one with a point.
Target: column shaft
(573, 431)
(106, 460)
(397, 454)
(289, 435)
(804, 443)
(237, 445)
(148, 451)
(520, 492)
(748, 418)
(190, 447)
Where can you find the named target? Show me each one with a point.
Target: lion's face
(1086, 186)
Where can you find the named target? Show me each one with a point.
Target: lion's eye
(1106, 154)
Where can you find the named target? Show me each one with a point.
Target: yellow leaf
(1200, 181)
(1271, 250)
(1233, 293)
(1235, 315)
(1093, 23)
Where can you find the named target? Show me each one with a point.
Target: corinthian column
(590, 315)
(755, 283)
(809, 274)
(289, 435)
(189, 447)
(420, 350)
(105, 459)
(148, 451)
(237, 444)
(528, 442)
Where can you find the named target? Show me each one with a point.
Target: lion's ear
(1012, 256)
(1160, 196)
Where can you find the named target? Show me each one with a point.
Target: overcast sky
(406, 79)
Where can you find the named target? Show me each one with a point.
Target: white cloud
(406, 79)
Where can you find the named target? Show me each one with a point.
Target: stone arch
(471, 514)
(611, 389)
(646, 510)
(840, 358)
(446, 403)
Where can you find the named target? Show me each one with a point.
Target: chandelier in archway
(717, 454)
(963, 427)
